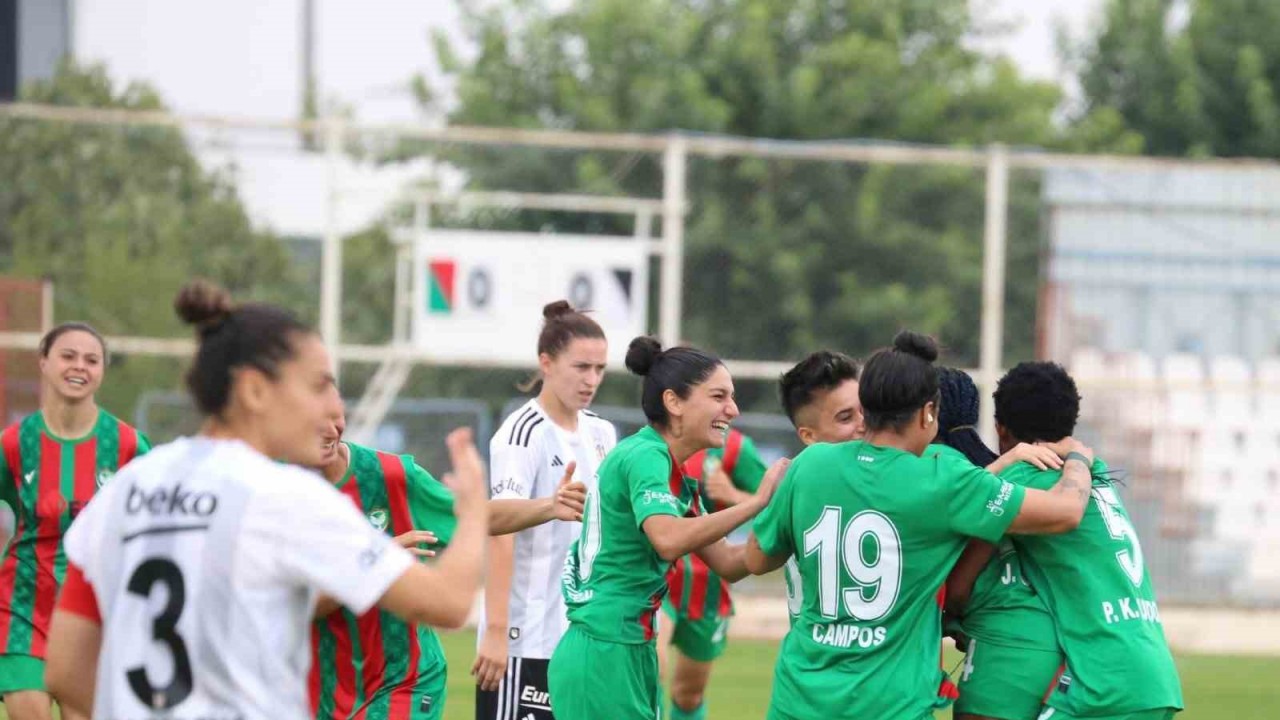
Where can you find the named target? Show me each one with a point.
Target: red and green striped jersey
(693, 588)
(375, 665)
(47, 481)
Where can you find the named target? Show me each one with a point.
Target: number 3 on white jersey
(1121, 529)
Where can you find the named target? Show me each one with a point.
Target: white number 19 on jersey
(870, 551)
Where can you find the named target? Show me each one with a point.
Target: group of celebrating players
(224, 576)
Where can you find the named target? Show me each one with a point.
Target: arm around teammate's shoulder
(441, 594)
(1060, 508)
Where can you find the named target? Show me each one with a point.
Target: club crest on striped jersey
(104, 476)
(378, 518)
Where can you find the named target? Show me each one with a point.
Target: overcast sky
(240, 57)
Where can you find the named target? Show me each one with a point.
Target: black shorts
(522, 695)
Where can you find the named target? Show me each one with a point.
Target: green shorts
(1008, 683)
(1157, 714)
(702, 639)
(591, 679)
(21, 672)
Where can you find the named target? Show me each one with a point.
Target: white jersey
(527, 459)
(206, 559)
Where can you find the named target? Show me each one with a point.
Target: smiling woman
(641, 516)
(53, 462)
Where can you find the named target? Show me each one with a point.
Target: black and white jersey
(527, 459)
(206, 559)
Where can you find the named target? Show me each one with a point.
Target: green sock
(698, 713)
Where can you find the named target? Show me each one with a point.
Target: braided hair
(958, 416)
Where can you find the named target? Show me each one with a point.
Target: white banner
(478, 294)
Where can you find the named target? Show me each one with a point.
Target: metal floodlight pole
(673, 191)
(994, 240)
(331, 252)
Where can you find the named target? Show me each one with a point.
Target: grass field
(1215, 687)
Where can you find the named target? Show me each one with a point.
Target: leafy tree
(1192, 78)
(815, 254)
(119, 218)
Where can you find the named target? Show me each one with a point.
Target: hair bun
(642, 354)
(914, 343)
(556, 309)
(203, 304)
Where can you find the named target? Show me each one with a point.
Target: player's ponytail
(232, 336)
(898, 381)
(677, 369)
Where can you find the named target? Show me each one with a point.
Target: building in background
(1176, 261)
(1162, 295)
(34, 37)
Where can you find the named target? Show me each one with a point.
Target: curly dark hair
(1037, 401)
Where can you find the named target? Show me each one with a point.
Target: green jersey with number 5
(874, 532)
(1097, 588)
(1002, 608)
(614, 580)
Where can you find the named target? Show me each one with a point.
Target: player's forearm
(497, 588)
(960, 582)
(511, 516)
(460, 568)
(680, 536)
(727, 561)
(1073, 490)
(734, 497)
(757, 562)
(1059, 509)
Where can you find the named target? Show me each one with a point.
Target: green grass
(1214, 687)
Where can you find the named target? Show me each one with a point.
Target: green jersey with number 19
(614, 580)
(1095, 584)
(875, 531)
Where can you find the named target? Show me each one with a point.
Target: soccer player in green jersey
(1093, 580)
(375, 665)
(1011, 648)
(820, 397)
(54, 462)
(698, 606)
(642, 516)
(875, 526)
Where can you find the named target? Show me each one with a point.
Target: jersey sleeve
(144, 444)
(648, 482)
(430, 502)
(750, 468)
(772, 527)
(330, 547)
(512, 470)
(981, 505)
